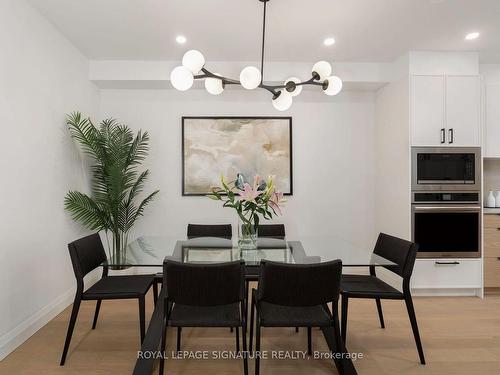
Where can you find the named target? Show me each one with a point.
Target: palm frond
(84, 210)
(140, 209)
(87, 135)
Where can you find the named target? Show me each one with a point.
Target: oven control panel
(446, 197)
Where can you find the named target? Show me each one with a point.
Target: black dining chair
(271, 231)
(296, 295)
(403, 254)
(209, 230)
(87, 254)
(205, 295)
(195, 231)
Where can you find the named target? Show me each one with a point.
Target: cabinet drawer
(492, 221)
(447, 273)
(491, 272)
(491, 242)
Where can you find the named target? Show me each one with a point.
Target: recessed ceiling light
(329, 41)
(472, 36)
(181, 39)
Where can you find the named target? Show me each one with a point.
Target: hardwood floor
(461, 335)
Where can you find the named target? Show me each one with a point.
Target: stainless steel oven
(447, 224)
(446, 168)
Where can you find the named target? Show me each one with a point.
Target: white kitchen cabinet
(445, 110)
(447, 274)
(463, 110)
(427, 110)
(492, 131)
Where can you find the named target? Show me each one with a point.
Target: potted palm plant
(116, 184)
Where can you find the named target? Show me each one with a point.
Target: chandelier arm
(273, 89)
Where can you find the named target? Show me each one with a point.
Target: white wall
(333, 156)
(393, 159)
(42, 77)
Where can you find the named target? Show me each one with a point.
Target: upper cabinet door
(463, 98)
(427, 110)
(492, 132)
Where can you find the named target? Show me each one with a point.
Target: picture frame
(215, 145)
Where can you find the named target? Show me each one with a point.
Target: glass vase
(247, 236)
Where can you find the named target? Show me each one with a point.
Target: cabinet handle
(448, 262)
(443, 135)
(451, 135)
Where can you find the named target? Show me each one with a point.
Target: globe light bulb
(193, 60)
(250, 77)
(283, 101)
(298, 89)
(323, 69)
(214, 85)
(181, 78)
(334, 85)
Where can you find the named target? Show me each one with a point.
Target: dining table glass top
(151, 251)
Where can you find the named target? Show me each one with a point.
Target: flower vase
(247, 236)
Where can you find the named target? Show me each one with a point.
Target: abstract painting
(212, 146)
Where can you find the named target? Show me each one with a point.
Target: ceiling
(365, 30)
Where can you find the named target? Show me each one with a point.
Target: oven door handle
(447, 208)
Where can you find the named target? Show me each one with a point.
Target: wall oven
(447, 224)
(446, 168)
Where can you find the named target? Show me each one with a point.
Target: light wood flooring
(461, 335)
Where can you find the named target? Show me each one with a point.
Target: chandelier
(193, 68)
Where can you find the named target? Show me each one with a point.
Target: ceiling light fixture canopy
(193, 68)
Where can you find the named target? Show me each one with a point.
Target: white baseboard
(23, 331)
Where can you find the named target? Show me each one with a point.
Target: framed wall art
(232, 145)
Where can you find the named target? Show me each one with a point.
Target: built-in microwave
(446, 168)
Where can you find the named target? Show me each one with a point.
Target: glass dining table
(151, 251)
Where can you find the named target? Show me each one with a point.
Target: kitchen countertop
(491, 211)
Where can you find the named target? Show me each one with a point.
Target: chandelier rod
(263, 44)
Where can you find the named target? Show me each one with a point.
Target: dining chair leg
(163, 344)
(142, 317)
(96, 314)
(237, 339)
(344, 303)
(71, 327)
(244, 343)
(179, 334)
(309, 340)
(252, 312)
(257, 346)
(247, 289)
(380, 314)
(155, 292)
(414, 327)
(339, 343)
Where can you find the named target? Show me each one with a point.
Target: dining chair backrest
(204, 284)
(399, 251)
(299, 284)
(86, 254)
(271, 230)
(204, 230)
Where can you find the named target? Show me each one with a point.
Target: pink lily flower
(275, 201)
(248, 194)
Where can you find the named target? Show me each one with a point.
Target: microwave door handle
(443, 135)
